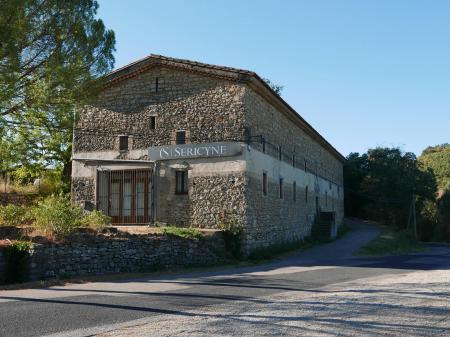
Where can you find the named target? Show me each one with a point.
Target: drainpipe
(154, 191)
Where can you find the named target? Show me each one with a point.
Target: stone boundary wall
(134, 253)
(15, 199)
(2, 266)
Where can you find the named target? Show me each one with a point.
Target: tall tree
(382, 182)
(437, 158)
(53, 54)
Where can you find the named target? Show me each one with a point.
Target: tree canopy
(437, 158)
(53, 54)
(380, 184)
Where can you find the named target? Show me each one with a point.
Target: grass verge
(182, 232)
(391, 242)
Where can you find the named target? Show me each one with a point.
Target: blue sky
(363, 73)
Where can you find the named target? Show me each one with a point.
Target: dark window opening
(293, 160)
(123, 143)
(156, 84)
(306, 194)
(305, 165)
(294, 191)
(152, 122)
(181, 182)
(279, 152)
(264, 183)
(263, 141)
(281, 188)
(180, 137)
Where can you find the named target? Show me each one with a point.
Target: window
(306, 194)
(264, 183)
(281, 188)
(123, 143)
(293, 160)
(153, 122)
(156, 84)
(279, 152)
(305, 165)
(294, 191)
(263, 141)
(181, 182)
(180, 137)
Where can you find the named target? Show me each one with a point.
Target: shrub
(232, 231)
(12, 215)
(186, 233)
(96, 220)
(56, 215)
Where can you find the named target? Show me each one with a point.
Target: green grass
(185, 233)
(391, 242)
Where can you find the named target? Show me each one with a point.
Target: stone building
(192, 144)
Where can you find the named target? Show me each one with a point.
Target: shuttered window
(181, 182)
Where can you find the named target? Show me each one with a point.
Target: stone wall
(15, 199)
(208, 199)
(293, 155)
(133, 253)
(263, 119)
(2, 266)
(183, 101)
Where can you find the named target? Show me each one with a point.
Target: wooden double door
(125, 195)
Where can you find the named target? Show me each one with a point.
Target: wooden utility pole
(412, 214)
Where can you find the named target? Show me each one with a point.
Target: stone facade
(151, 100)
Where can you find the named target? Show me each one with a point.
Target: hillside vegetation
(384, 184)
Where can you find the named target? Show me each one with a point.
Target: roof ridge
(202, 64)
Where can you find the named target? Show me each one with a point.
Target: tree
(437, 158)
(53, 54)
(382, 182)
(275, 87)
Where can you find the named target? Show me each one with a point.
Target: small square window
(180, 137)
(181, 182)
(123, 143)
(153, 122)
(264, 183)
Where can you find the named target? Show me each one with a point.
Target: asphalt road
(87, 309)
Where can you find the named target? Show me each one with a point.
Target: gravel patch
(410, 304)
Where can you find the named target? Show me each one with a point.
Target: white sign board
(205, 150)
